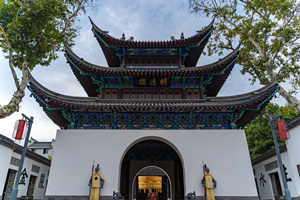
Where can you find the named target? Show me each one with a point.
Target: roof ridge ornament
(130, 39)
(123, 37)
(182, 36)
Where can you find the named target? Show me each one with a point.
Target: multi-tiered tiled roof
(179, 95)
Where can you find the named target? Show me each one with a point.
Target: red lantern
(283, 134)
(20, 129)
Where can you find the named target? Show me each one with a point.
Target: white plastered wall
(5, 156)
(293, 148)
(224, 151)
(38, 192)
(265, 189)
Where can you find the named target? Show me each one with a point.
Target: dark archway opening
(152, 153)
(151, 181)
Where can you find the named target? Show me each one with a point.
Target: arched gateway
(151, 158)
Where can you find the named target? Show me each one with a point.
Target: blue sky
(155, 20)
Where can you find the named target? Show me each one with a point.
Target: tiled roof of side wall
(292, 123)
(41, 145)
(18, 149)
(267, 155)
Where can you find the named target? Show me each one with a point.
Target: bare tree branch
(290, 99)
(261, 52)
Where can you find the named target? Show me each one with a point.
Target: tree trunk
(289, 98)
(14, 104)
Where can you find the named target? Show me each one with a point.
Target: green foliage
(268, 31)
(258, 132)
(37, 29)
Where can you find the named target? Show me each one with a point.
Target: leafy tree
(258, 132)
(268, 31)
(31, 34)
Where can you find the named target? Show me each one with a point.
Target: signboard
(151, 183)
(152, 81)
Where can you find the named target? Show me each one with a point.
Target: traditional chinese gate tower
(151, 108)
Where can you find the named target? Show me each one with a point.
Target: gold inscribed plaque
(150, 183)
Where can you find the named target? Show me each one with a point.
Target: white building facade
(225, 152)
(34, 176)
(267, 173)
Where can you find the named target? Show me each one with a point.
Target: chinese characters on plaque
(152, 81)
(150, 183)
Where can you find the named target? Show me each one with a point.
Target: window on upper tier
(152, 60)
(133, 95)
(155, 95)
(111, 94)
(196, 94)
(148, 95)
(177, 95)
(163, 95)
(189, 95)
(174, 61)
(114, 95)
(152, 94)
(192, 94)
(161, 61)
(170, 95)
(141, 95)
(168, 61)
(126, 95)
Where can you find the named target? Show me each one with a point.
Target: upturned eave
(195, 44)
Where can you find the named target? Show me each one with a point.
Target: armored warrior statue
(209, 183)
(96, 183)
